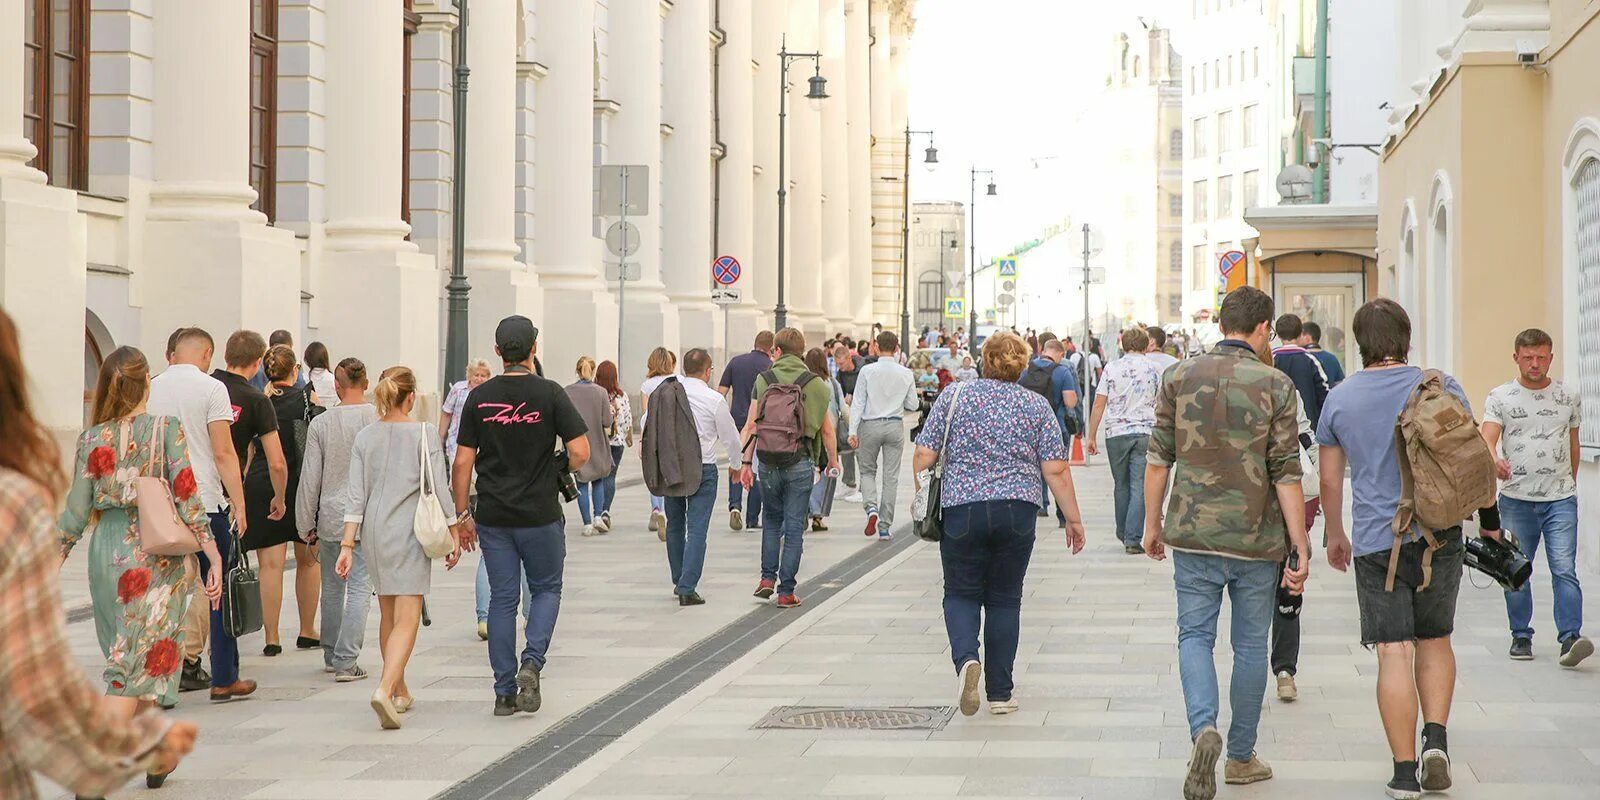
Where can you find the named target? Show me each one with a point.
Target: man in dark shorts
(1411, 625)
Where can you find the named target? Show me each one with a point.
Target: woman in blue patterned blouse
(1003, 447)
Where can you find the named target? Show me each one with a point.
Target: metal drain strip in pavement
(537, 763)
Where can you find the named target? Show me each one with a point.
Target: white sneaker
(600, 525)
(588, 530)
(852, 496)
(999, 707)
(658, 523)
(971, 674)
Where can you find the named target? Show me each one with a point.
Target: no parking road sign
(726, 270)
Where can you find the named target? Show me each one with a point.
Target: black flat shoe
(691, 599)
(154, 780)
(271, 650)
(306, 643)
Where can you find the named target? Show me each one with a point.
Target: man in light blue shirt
(885, 390)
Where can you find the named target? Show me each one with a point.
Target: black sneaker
(1133, 549)
(1404, 786)
(1434, 774)
(1521, 649)
(1575, 650)
(691, 599)
(505, 705)
(528, 698)
(194, 677)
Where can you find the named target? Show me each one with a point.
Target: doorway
(1328, 299)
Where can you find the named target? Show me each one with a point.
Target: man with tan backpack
(1418, 468)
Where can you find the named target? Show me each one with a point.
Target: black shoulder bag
(931, 526)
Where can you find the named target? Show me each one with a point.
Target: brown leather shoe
(238, 688)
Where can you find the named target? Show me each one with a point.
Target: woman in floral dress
(139, 600)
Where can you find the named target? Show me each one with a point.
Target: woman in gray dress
(381, 504)
(594, 405)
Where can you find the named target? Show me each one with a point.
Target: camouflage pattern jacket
(1226, 425)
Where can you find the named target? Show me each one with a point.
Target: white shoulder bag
(430, 525)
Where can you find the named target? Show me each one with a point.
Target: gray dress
(385, 484)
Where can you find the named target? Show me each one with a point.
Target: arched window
(264, 105)
(55, 69)
(1585, 220)
(1441, 298)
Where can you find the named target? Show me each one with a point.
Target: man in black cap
(509, 428)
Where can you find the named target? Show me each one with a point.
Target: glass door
(1330, 300)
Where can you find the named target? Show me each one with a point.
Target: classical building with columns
(271, 164)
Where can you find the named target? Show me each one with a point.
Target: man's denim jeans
(1556, 523)
(224, 648)
(344, 605)
(985, 553)
(787, 495)
(688, 518)
(1127, 457)
(1251, 585)
(541, 552)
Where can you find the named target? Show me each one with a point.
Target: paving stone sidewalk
(1101, 714)
(304, 737)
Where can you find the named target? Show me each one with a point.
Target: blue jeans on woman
(1556, 523)
(1252, 586)
(985, 553)
(591, 500)
(609, 482)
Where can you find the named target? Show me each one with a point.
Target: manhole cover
(904, 718)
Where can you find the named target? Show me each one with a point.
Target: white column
(379, 295)
(686, 174)
(567, 254)
(766, 32)
(887, 167)
(649, 319)
(835, 168)
(858, 154)
(41, 255)
(209, 259)
(804, 265)
(736, 233)
(882, 41)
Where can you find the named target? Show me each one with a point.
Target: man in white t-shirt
(1532, 425)
(1156, 353)
(200, 403)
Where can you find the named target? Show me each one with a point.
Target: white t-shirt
(1535, 437)
(196, 400)
(649, 386)
(1161, 360)
(321, 381)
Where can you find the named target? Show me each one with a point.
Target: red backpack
(780, 438)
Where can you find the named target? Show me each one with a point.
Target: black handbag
(931, 527)
(241, 596)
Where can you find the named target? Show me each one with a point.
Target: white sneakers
(971, 674)
(1002, 707)
(658, 523)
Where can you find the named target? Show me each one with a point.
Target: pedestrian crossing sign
(955, 307)
(1008, 268)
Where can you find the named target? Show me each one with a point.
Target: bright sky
(1000, 82)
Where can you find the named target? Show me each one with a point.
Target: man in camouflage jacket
(1226, 426)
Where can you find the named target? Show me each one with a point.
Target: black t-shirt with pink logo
(513, 421)
(253, 416)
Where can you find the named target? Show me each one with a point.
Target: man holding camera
(509, 428)
(1533, 423)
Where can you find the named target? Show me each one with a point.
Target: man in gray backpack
(788, 433)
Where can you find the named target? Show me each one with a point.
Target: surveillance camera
(1528, 52)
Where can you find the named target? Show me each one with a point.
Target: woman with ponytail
(380, 509)
(139, 600)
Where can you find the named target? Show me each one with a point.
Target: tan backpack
(1446, 468)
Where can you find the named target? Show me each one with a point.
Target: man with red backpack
(788, 434)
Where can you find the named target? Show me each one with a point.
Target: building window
(1586, 205)
(1255, 64)
(1224, 197)
(1202, 207)
(1175, 205)
(55, 108)
(1194, 84)
(1216, 74)
(1175, 143)
(1199, 139)
(1224, 131)
(1249, 126)
(1175, 260)
(1241, 66)
(1252, 186)
(1197, 269)
(413, 20)
(264, 104)
(1230, 69)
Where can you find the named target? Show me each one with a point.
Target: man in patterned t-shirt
(1532, 422)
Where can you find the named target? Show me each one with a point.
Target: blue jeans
(541, 552)
(688, 519)
(1126, 455)
(752, 513)
(788, 499)
(609, 482)
(481, 590)
(224, 648)
(985, 555)
(344, 605)
(1556, 522)
(1251, 586)
(591, 500)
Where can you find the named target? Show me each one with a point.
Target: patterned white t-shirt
(1129, 385)
(1535, 438)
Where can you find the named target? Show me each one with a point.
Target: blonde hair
(394, 386)
(1005, 356)
(279, 364)
(585, 368)
(123, 383)
(661, 362)
(478, 365)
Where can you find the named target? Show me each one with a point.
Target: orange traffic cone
(1078, 459)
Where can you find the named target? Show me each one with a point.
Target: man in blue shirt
(738, 384)
(1047, 376)
(1311, 340)
(1301, 366)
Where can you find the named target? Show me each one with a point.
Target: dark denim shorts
(1405, 614)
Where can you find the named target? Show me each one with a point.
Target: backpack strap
(805, 378)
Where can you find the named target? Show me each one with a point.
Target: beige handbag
(161, 531)
(430, 525)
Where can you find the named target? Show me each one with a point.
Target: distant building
(938, 262)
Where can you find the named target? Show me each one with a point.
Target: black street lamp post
(930, 158)
(972, 261)
(816, 91)
(458, 289)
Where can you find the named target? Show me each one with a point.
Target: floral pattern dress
(139, 600)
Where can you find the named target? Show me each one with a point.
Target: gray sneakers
(1575, 650)
(354, 673)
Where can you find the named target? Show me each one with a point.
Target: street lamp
(458, 289)
(817, 91)
(943, 292)
(930, 157)
(972, 262)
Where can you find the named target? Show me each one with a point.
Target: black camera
(565, 481)
(1501, 560)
